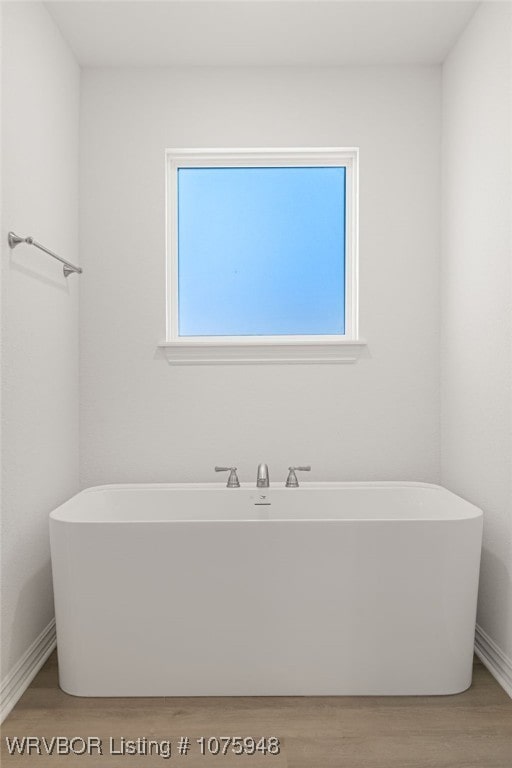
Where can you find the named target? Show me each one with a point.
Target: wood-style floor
(470, 730)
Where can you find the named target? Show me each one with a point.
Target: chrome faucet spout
(262, 476)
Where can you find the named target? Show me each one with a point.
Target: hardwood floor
(470, 730)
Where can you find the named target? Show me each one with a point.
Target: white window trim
(264, 349)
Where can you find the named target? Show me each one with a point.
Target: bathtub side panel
(266, 608)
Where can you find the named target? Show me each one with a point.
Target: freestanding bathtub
(330, 588)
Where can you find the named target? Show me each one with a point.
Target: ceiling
(260, 32)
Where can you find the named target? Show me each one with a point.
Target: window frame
(275, 348)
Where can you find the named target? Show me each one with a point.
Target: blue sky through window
(261, 251)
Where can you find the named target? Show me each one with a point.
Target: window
(262, 255)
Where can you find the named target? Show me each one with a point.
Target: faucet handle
(291, 480)
(233, 481)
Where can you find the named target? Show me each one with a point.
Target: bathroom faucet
(262, 479)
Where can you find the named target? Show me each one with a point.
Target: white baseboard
(15, 684)
(499, 665)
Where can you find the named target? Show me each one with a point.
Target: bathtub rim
(473, 512)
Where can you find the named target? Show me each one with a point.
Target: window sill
(234, 353)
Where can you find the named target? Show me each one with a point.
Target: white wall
(142, 420)
(477, 293)
(40, 109)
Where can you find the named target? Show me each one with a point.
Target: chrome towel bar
(68, 268)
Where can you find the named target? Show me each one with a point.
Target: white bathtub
(331, 588)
